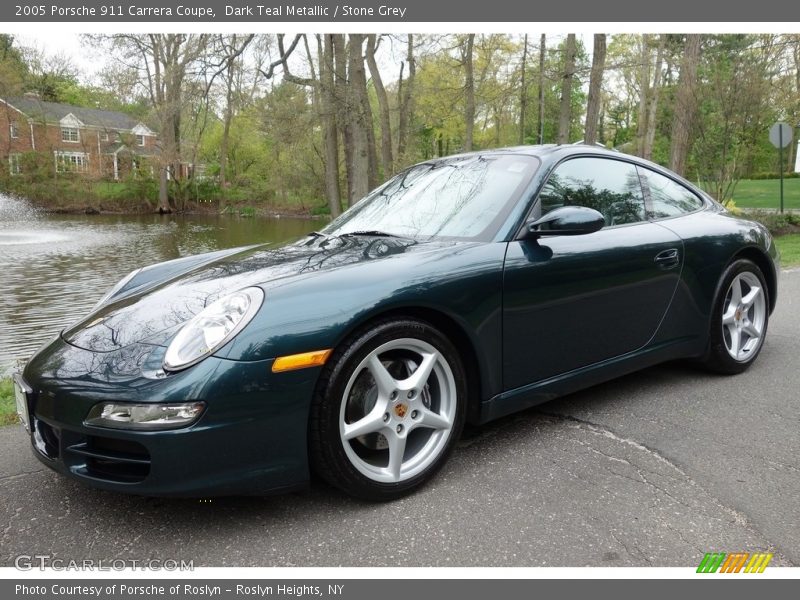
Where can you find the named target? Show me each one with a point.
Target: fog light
(143, 416)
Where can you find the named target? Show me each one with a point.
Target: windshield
(462, 197)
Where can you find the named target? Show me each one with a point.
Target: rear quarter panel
(712, 240)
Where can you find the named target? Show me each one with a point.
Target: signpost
(780, 135)
(797, 158)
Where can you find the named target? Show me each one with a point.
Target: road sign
(780, 135)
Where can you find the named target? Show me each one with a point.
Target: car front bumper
(250, 439)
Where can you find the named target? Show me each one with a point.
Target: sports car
(463, 289)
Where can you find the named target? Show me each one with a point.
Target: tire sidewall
(329, 458)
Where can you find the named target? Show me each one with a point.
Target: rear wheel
(739, 320)
(388, 409)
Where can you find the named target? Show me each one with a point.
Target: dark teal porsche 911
(463, 289)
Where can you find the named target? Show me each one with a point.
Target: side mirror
(567, 220)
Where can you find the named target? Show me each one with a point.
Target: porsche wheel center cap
(400, 410)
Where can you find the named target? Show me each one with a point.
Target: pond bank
(203, 209)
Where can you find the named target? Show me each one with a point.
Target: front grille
(111, 459)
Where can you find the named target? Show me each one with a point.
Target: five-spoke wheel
(744, 315)
(739, 320)
(389, 409)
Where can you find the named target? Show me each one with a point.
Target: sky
(67, 44)
(90, 63)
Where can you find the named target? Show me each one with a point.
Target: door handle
(667, 259)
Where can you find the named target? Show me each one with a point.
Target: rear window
(668, 198)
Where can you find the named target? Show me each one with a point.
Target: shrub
(777, 223)
(773, 175)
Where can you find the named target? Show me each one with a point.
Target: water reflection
(55, 267)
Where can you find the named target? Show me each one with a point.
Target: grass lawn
(766, 193)
(789, 245)
(8, 408)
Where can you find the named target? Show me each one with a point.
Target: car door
(573, 301)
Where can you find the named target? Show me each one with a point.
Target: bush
(777, 223)
(773, 175)
(732, 208)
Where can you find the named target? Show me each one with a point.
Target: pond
(53, 268)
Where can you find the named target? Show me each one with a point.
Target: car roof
(550, 154)
(540, 151)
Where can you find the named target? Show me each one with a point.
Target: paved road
(653, 469)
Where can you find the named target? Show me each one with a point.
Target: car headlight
(122, 415)
(117, 287)
(212, 328)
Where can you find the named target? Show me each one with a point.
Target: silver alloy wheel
(743, 316)
(398, 410)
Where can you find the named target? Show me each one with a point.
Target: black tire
(329, 458)
(717, 357)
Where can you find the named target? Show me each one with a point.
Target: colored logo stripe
(733, 563)
(711, 562)
(758, 563)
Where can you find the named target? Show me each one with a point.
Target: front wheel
(739, 319)
(388, 409)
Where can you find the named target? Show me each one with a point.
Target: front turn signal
(294, 362)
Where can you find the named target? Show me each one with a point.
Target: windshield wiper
(370, 232)
(318, 234)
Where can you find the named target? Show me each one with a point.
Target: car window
(459, 197)
(669, 198)
(611, 187)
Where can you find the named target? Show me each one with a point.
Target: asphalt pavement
(653, 469)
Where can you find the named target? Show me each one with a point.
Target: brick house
(101, 144)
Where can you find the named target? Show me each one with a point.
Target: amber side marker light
(293, 362)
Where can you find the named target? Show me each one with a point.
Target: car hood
(154, 314)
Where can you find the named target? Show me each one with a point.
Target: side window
(667, 197)
(611, 187)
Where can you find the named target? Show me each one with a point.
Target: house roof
(53, 112)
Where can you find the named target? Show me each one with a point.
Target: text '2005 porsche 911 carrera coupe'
(463, 289)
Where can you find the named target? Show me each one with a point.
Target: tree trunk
(595, 88)
(359, 136)
(523, 96)
(652, 102)
(405, 101)
(387, 160)
(226, 125)
(330, 134)
(565, 110)
(163, 191)
(685, 104)
(343, 110)
(644, 88)
(542, 50)
(469, 92)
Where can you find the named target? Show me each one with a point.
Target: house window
(13, 130)
(70, 134)
(13, 164)
(104, 136)
(140, 140)
(71, 162)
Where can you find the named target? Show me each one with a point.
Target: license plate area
(21, 394)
